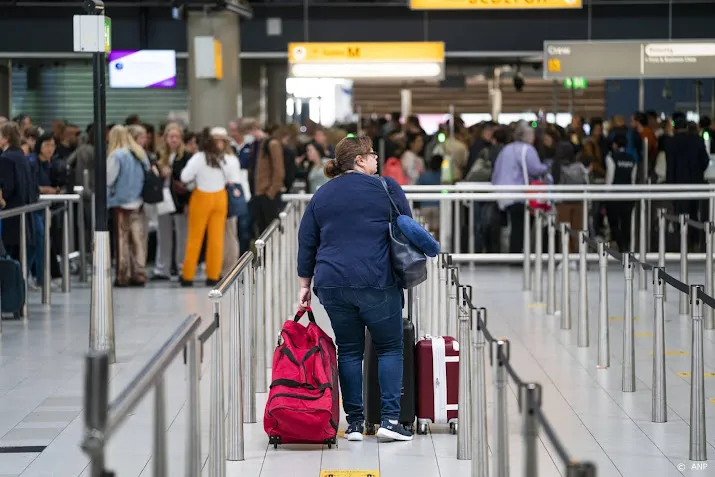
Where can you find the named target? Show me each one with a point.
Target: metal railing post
(260, 318)
(659, 401)
(23, 258)
(268, 320)
(500, 444)
(565, 278)
(698, 444)
(643, 277)
(274, 293)
(464, 431)
(217, 432)
(551, 265)
(193, 408)
(435, 295)
(527, 249)
(452, 317)
(66, 248)
(47, 256)
(708, 321)
(82, 241)
(539, 250)
(661, 241)
(684, 302)
(96, 410)
(236, 363)
(457, 211)
(604, 355)
(628, 378)
(158, 458)
(480, 449)
(530, 428)
(243, 290)
(583, 332)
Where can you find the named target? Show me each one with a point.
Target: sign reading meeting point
(493, 4)
(365, 52)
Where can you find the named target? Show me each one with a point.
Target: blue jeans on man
(351, 310)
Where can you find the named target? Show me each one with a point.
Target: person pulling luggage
(343, 252)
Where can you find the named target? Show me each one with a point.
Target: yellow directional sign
(494, 4)
(301, 53)
(349, 473)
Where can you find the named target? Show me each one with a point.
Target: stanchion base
(101, 325)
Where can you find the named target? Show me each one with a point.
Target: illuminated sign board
(629, 59)
(366, 60)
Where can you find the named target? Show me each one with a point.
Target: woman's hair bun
(331, 169)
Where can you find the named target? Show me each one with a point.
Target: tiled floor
(41, 378)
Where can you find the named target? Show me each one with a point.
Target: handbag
(237, 205)
(409, 264)
(153, 189)
(167, 205)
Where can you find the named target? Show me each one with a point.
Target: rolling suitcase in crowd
(303, 404)
(437, 362)
(371, 387)
(12, 286)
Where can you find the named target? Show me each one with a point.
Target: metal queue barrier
(445, 296)
(102, 419)
(694, 296)
(252, 308)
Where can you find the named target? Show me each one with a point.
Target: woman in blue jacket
(344, 252)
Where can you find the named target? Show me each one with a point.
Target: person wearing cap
(210, 170)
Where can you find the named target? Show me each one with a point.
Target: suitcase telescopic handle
(300, 314)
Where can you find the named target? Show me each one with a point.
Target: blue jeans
(350, 311)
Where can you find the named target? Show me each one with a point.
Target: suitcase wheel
(331, 442)
(453, 427)
(274, 441)
(422, 429)
(370, 429)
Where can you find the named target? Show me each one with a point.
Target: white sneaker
(32, 284)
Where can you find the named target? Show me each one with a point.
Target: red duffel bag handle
(300, 314)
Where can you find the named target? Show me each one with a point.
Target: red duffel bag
(304, 400)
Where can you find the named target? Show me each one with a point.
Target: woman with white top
(210, 169)
(127, 164)
(412, 162)
(173, 156)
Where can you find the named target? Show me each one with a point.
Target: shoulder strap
(389, 196)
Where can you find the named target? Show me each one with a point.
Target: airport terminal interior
(174, 173)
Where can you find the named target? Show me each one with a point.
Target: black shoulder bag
(408, 262)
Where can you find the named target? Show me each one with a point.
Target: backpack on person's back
(393, 168)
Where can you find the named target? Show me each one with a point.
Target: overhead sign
(629, 59)
(367, 60)
(576, 83)
(493, 4)
(373, 52)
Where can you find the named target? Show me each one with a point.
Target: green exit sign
(575, 83)
(107, 35)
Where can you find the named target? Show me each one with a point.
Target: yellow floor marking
(674, 353)
(644, 334)
(687, 375)
(536, 305)
(620, 318)
(349, 473)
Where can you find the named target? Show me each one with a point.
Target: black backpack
(288, 164)
(153, 189)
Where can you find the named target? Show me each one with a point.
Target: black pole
(100, 143)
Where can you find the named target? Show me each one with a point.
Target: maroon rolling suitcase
(437, 364)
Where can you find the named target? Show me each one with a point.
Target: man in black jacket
(686, 162)
(19, 187)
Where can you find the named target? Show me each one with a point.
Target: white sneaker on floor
(32, 284)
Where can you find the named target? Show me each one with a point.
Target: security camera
(93, 7)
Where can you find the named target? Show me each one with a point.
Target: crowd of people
(222, 186)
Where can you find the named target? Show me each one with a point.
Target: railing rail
(103, 419)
